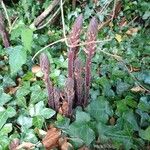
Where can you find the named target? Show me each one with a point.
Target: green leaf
(4, 142)
(21, 101)
(38, 121)
(27, 37)
(17, 57)
(144, 104)
(81, 131)
(82, 117)
(23, 90)
(5, 114)
(4, 98)
(28, 135)
(3, 118)
(118, 137)
(122, 87)
(100, 110)
(24, 121)
(35, 110)
(8, 82)
(145, 134)
(11, 112)
(37, 94)
(130, 118)
(7, 128)
(47, 113)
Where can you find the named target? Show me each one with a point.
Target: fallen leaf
(52, 138)
(137, 89)
(14, 144)
(123, 22)
(63, 110)
(118, 38)
(64, 144)
(12, 90)
(36, 69)
(112, 120)
(132, 31)
(26, 145)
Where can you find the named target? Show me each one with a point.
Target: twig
(13, 24)
(5, 10)
(114, 9)
(120, 59)
(41, 50)
(44, 14)
(48, 22)
(63, 23)
(3, 32)
(63, 40)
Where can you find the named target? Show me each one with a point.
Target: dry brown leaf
(12, 90)
(137, 89)
(64, 144)
(51, 139)
(132, 31)
(26, 145)
(36, 69)
(112, 120)
(64, 108)
(123, 22)
(14, 144)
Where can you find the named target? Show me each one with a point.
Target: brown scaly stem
(69, 95)
(73, 39)
(79, 81)
(45, 67)
(90, 50)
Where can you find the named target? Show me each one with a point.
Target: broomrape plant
(77, 86)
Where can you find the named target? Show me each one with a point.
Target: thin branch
(13, 24)
(120, 59)
(63, 22)
(5, 10)
(48, 22)
(46, 12)
(63, 40)
(114, 9)
(41, 50)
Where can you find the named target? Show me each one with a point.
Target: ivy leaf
(8, 82)
(38, 121)
(21, 101)
(100, 110)
(47, 113)
(82, 117)
(130, 118)
(118, 136)
(11, 112)
(5, 114)
(4, 98)
(145, 134)
(27, 37)
(122, 87)
(24, 121)
(37, 94)
(17, 57)
(144, 104)
(3, 118)
(81, 131)
(7, 128)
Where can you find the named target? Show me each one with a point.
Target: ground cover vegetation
(74, 74)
